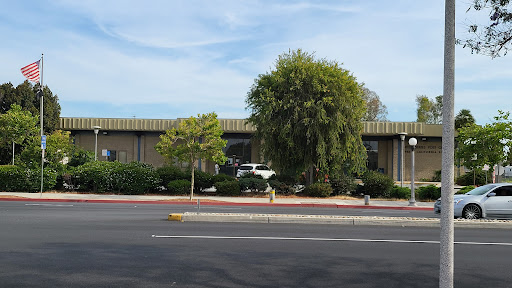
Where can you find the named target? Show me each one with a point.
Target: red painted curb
(221, 203)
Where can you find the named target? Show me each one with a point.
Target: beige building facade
(128, 140)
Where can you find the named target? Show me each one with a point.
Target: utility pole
(446, 234)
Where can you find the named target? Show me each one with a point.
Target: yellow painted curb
(174, 217)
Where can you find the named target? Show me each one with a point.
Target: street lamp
(96, 130)
(412, 142)
(402, 148)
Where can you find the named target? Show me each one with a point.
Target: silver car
(491, 200)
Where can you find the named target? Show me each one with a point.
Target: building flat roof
(237, 126)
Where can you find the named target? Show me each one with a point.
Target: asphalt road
(119, 245)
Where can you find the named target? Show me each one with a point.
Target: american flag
(31, 71)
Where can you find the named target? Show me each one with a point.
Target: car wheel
(472, 211)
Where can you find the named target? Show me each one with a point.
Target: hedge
(400, 192)
(103, 176)
(171, 173)
(179, 187)
(19, 179)
(228, 188)
(430, 192)
(12, 178)
(377, 184)
(318, 190)
(253, 184)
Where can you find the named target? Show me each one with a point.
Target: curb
(339, 220)
(165, 202)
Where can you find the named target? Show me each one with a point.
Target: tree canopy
(429, 110)
(26, 96)
(375, 110)
(489, 144)
(494, 37)
(196, 138)
(308, 112)
(16, 126)
(463, 119)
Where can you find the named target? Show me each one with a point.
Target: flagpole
(42, 131)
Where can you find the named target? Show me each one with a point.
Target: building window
(122, 157)
(238, 151)
(372, 150)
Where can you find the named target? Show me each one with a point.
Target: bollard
(272, 195)
(366, 199)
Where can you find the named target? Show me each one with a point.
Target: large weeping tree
(308, 113)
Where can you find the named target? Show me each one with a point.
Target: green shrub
(80, 157)
(134, 178)
(377, 184)
(318, 190)
(467, 179)
(400, 192)
(252, 183)
(343, 184)
(202, 180)
(430, 192)
(228, 188)
(179, 187)
(286, 179)
(13, 178)
(96, 176)
(437, 176)
(34, 179)
(171, 173)
(222, 177)
(465, 189)
(281, 187)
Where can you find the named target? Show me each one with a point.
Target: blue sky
(172, 59)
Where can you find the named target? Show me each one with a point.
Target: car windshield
(245, 167)
(481, 190)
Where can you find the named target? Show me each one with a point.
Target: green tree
(494, 37)
(195, 138)
(463, 119)
(16, 126)
(489, 144)
(59, 147)
(429, 110)
(26, 95)
(308, 113)
(375, 110)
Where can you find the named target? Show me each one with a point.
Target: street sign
(43, 142)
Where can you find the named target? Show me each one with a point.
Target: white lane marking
(58, 205)
(329, 239)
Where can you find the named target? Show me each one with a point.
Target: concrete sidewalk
(214, 200)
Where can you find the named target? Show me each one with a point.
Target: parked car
(491, 200)
(256, 169)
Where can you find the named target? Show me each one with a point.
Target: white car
(256, 169)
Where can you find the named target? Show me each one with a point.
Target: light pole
(412, 142)
(402, 148)
(96, 130)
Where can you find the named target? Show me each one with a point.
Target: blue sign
(43, 142)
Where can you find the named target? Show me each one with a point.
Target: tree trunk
(310, 176)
